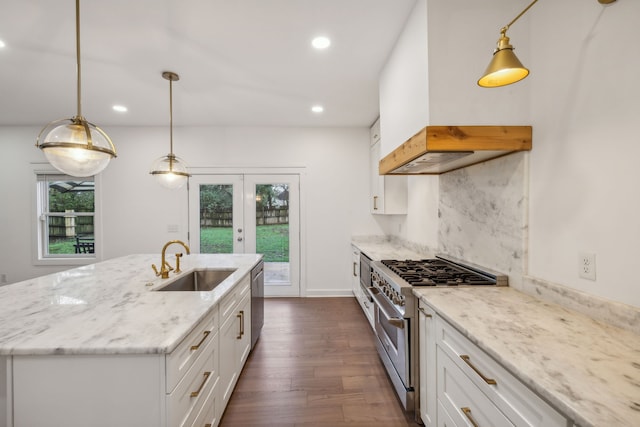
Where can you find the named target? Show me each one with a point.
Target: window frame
(39, 227)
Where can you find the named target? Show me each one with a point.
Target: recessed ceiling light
(317, 108)
(321, 42)
(120, 108)
(2, 44)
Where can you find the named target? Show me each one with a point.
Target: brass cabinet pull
(355, 264)
(424, 312)
(468, 362)
(467, 413)
(240, 316)
(197, 392)
(197, 346)
(375, 203)
(207, 425)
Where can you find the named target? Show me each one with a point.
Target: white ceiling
(241, 62)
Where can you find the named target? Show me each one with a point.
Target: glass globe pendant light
(170, 171)
(75, 146)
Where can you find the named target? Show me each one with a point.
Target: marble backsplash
(483, 215)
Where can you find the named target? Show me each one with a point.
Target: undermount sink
(198, 281)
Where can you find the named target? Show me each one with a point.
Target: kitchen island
(117, 349)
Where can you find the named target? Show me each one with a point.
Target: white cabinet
(427, 356)
(473, 387)
(361, 296)
(235, 337)
(388, 194)
(355, 273)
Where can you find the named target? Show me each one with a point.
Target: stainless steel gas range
(396, 318)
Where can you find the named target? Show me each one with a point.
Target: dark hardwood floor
(315, 364)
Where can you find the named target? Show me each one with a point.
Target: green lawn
(62, 246)
(272, 241)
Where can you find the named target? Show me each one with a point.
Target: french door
(250, 213)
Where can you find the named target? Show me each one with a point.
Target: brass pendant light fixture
(505, 68)
(170, 170)
(75, 146)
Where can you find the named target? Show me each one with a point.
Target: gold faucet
(165, 268)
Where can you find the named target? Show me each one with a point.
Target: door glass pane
(272, 231)
(216, 219)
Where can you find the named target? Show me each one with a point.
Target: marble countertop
(588, 370)
(109, 307)
(383, 249)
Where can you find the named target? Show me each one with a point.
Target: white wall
(136, 211)
(584, 165)
(580, 179)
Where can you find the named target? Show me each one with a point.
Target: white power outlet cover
(587, 265)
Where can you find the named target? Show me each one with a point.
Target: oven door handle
(398, 322)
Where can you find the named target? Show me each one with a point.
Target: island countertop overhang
(110, 307)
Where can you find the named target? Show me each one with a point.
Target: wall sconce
(75, 146)
(505, 68)
(170, 171)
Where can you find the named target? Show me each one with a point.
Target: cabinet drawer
(182, 358)
(192, 392)
(520, 404)
(233, 298)
(207, 415)
(462, 399)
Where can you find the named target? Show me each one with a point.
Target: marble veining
(378, 249)
(483, 211)
(109, 307)
(612, 312)
(588, 370)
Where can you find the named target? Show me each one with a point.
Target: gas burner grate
(435, 272)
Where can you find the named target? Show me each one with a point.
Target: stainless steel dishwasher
(257, 301)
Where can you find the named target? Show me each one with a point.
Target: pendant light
(75, 146)
(170, 170)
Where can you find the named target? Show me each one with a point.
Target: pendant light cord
(171, 116)
(78, 68)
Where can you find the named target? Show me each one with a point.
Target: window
(65, 218)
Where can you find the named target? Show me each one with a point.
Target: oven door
(392, 331)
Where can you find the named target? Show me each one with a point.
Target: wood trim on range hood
(439, 149)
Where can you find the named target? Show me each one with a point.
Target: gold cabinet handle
(424, 312)
(375, 203)
(239, 316)
(468, 362)
(197, 346)
(467, 413)
(197, 392)
(355, 264)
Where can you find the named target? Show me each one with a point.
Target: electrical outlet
(587, 265)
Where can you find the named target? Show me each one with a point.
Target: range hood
(439, 149)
